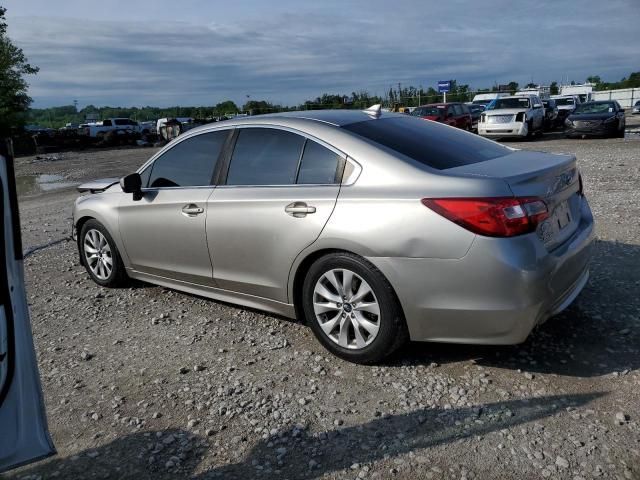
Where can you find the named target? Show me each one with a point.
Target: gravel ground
(149, 383)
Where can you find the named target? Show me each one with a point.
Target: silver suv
(515, 116)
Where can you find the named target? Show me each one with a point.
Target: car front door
(23, 424)
(280, 190)
(164, 232)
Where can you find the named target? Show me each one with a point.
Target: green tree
(553, 88)
(14, 101)
(513, 87)
(227, 107)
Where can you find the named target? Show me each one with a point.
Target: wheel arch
(303, 265)
(92, 208)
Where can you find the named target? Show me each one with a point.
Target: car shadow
(297, 452)
(597, 335)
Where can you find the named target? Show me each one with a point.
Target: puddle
(32, 184)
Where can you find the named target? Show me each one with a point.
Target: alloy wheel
(346, 308)
(97, 253)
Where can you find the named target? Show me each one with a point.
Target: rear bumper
(498, 130)
(497, 293)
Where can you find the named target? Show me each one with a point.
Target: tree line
(408, 96)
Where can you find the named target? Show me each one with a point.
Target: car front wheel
(100, 255)
(352, 309)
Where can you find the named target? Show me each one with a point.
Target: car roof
(337, 118)
(333, 117)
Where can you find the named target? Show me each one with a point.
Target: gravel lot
(150, 383)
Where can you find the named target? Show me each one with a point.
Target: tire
(367, 345)
(94, 236)
(620, 131)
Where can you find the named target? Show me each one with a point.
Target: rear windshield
(565, 101)
(432, 144)
(428, 111)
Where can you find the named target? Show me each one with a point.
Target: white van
(486, 98)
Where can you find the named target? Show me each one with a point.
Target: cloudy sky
(190, 52)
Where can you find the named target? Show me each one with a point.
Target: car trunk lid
(551, 177)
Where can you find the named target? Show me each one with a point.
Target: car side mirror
(132, 184)
(537, 105)
(622, 110)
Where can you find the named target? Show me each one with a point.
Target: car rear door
(280, 189)
(23, 424)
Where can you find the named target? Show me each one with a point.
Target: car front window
(189, 163)
(587, 108)
(501, 103)
(565, 101)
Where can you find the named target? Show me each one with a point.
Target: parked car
(550, 114)
(601, 118)
(566, 105)
(475, 110)
(454, 114)
(373, 227)
(636, 108)
(100, 129)
(24, 436)
(514, 116)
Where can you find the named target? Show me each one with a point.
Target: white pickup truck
(99, 129)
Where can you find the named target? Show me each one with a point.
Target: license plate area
(552, 227)
(562, 215)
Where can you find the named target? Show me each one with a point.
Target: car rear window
(429, 143)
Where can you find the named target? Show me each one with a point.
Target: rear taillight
(492, 217)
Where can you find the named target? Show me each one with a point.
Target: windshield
(565, 101)
(593, 107)
(500, 103)
(429, 143)
(428, 112)
(482, 102)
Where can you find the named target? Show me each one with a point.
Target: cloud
(290, 57)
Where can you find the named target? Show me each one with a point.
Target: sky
(190, 52)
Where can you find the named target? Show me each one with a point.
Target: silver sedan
(374, 228)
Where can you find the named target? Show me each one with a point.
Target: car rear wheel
(352, 309)
(100, 255)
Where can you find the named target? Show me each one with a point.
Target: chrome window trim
(352, 177)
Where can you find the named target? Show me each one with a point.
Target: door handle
(299, 209)
(192, 210)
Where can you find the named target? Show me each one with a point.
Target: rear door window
(428, 143)
(319, 165)
(265, 156)
(189, 163)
